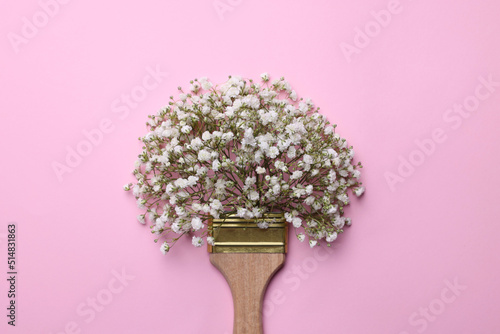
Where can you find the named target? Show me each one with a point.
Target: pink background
(407, 244)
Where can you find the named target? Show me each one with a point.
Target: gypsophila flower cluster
(245, 148)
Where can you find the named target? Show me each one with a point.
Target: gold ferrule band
(237, 235)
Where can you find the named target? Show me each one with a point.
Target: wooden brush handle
(248, 275)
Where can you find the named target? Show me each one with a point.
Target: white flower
(127, 187)
(195, 87)
(332, 176)
(265, 77)
(296, 175)
(301, 237)
(216, 165)
(291, 152)
(252, 101)
(192, 180)
(180, 211)
(272, 152)
(175, 227)
(164, 248)
(308, 159)
(339, 221)
(250, 181)
(241, 212)
(309, 189)
(159, 223)
(136, 190)
(258, 156)
(228, 136)
(232, 92)
(280, 165)
(206, 136)
(331, 237)
(312, 243)
(202, 171)
(309, 200)
(205, 84)
(204, 155)
(293, 95)
(216, 204)
(196, 143)
(263, 224)
(140, 203)
(181, 183)
(141, 219)
(332, 210)
(297, 222)
(197, 241)
(343, 198)
(253, 196)
(186, 129)
(316, 205)
(196, 223)
(283, 145)
(312, 223)
(260, 170)
(359, 191)
(210, 241)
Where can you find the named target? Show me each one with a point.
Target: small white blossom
(263, 224)
(272, 152)
(210, 241)
(253, 196)
(196, 223)
(331, 237)
(297, 222)
(309, 200)
(206, 136)
(204, 155)
(260, 170)
(205, 84)
(216, 204)
(359, 191)
(250, 181)
(186, 129)
(216, 165)
(197, 241)
(164, 248)
(343, 198)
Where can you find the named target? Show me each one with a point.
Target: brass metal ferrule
(233, 234)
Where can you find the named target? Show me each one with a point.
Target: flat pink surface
(422, 254)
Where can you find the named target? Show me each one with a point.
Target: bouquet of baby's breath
(247, 149)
